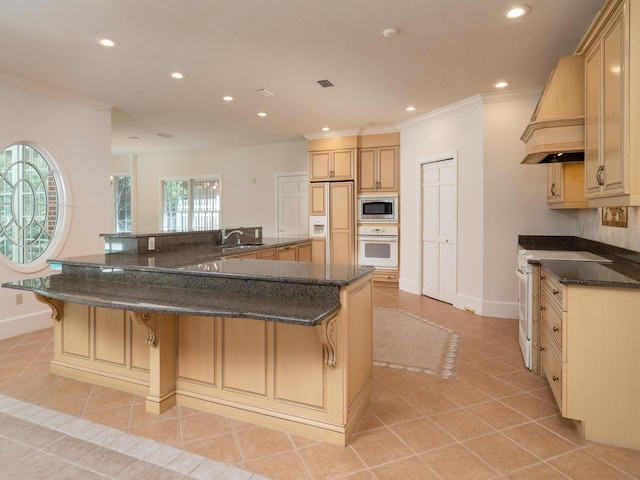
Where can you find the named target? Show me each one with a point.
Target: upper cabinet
(379, 163)
(378, 169)
(612, 106)
(331, 165)
(565, 185)
(332, 159)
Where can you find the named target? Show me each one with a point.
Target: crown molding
(53, 92)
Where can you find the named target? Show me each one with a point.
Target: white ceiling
(445, 51)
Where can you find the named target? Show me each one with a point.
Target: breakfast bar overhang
(285, 345)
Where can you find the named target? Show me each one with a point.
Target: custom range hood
(556, 130)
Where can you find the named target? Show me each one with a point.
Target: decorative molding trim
(141, 318)
(327, 333)
(53, 92)
(55, 305)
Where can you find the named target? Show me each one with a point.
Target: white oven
(525, 299)
(378, 246)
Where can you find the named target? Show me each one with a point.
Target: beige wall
(248, 180)
(76, 132)
(497, 197)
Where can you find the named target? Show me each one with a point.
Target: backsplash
(590, 227)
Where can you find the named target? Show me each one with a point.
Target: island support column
(162, 343)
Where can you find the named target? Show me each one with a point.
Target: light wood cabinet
(294, 253)
(565, 185)
(612, 110)
(331, 165)
(551, 313)
(342, 223)
(319, 250)
(386, 277)
(588, 344)
(317, 199)
(378, 169)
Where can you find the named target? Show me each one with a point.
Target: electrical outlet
(152, 243)
(18, 299)
(257, 234)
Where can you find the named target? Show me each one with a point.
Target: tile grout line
(72, 426)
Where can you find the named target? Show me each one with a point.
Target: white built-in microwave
(377, 208)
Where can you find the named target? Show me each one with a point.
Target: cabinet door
(341, 223)
(317, 200)
(319, 250)
(304, 252)
(593, 71)
(555, 183)
(367, 180)
(388, 169)
(287, 254)
(342, 165)
(613, 110)
(319, 166)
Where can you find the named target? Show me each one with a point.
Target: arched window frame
(65, 204)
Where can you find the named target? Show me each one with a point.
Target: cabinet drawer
(551, 320)
(385, 276)
(552, 367)
(554, 289)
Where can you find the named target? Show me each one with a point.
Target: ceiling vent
(325, 83)
(165, 135)
(265, 92)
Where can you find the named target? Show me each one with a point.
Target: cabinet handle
(599, 175)
(556, 329)
(555, 292)
(541, 308)
(542, 277)
(553, 189)
(554, 378)
(542, 349)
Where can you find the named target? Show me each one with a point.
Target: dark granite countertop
(622, 272)
(200, 281)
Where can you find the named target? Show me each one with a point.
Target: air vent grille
(265, 92)
(326, 83)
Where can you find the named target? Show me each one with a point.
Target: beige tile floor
(494, 420)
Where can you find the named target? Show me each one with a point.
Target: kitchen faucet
(225, 236)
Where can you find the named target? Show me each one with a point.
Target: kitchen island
(285, 345)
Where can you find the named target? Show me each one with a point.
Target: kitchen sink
(241, 247)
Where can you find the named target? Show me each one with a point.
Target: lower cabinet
(386, 277)
(589, 354)
(301, 252)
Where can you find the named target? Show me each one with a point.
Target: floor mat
(404, 340)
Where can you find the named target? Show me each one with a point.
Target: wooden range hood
(556, 130)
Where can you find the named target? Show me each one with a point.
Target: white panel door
(293, 205)
(439, 227)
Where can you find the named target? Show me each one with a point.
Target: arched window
(29, 204)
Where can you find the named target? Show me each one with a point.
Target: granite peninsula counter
(286, 345)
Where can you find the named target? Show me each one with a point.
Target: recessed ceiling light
(106, 42)
(227, 98)
(325, 129)
(262, 114)
(517, 12)
(502, 84)
(411, 108)
(177, 75)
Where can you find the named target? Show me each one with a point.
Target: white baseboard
(408, 286)
(12, 327)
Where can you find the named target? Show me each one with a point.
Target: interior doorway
(293, 205)
(439, 229)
